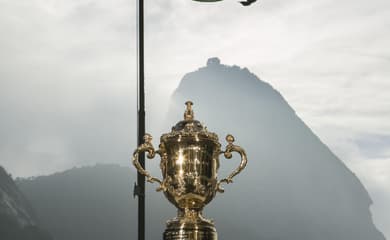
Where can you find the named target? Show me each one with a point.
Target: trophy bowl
(189, 164)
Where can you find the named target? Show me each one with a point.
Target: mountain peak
(213, 61)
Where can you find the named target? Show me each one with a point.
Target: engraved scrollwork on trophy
(184, 133)
(164, 158)
(228, 154)
(174, 186)
(147, 146)
(199, 187)
(178, 186)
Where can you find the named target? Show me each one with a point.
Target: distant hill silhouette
(294, 187)
(17, 221)
(85, 203)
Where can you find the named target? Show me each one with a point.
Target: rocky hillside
(16, 215)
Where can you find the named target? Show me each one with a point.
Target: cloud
(66, 85)
(368, 156)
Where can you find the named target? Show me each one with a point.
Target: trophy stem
(190, 215)
(189, 225)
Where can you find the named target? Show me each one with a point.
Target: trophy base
(190, 234)
(190, 225)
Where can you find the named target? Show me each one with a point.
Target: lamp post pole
(140, 187)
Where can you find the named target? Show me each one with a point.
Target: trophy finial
(189, 114)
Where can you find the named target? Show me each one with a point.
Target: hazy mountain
(17, 221)
(294, 187)
(85, 203)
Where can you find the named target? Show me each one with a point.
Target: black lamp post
(139, 188)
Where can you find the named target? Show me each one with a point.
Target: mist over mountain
(85, 203)
(17, 220)
(293, 188)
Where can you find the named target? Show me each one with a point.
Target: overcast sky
(67, 75)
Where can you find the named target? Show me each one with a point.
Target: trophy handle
(146, 147)
(228, 154)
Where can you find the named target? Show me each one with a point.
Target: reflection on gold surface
(189, 164)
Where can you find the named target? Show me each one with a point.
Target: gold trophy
(189, 164)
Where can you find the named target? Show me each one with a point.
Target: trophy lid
(189, 127)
